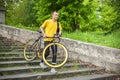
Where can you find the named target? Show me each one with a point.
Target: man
(49, 29)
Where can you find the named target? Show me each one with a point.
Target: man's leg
(54, 51)
(46, 54)
(47, 51)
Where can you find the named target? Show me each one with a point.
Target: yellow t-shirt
(50, 28)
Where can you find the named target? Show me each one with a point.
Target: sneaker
(43, 65)
(53, 70)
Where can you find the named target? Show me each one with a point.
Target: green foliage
(30, 13)
(70, 15)
(15, 14)
(89, 13)
(2, 4)
(73, 14)
(21, 13)
(116, 5)
(44, 9)
(108, 17)
(84, 15)
(5, 3)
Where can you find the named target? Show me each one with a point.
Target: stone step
(11, 47)
(5, 40)
(43, 75)
(22, 69)
(13, 66)
(13, 53)
(12, 58)
(11, 50)
(8, 44)
(19, 58)
(104, 76)
(4, 56)
(18, 63)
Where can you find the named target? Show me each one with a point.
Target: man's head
(55, 16)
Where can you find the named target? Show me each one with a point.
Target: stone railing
(99, 55)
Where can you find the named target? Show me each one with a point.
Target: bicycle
(33, 49)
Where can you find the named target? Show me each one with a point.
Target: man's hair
(54, 11)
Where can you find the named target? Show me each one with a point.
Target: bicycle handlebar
(55, 36)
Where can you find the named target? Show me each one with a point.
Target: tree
(5, 3)
(30, 18)
(116, 4)
(84, 15)
(108, 16)
(21, 12)
(15, 13)
(74, 15)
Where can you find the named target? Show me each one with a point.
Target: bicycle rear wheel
(61, 58)
(30, 50)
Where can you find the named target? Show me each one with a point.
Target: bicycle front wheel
(30, 50)
(59, 57)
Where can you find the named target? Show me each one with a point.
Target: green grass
(110, 40)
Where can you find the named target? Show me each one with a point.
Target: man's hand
(44, 35)
(59, 35)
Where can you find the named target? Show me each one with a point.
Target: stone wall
(99, 55)
(17, 34)
(2, 16)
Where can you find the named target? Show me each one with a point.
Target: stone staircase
(14, 67)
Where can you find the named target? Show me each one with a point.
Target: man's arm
(60, 33)
(42, 30)
(60, 29)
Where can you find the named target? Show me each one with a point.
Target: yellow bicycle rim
(57, 65)
(27, 55)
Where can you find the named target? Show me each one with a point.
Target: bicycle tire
(30, 50)
(63, 52)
